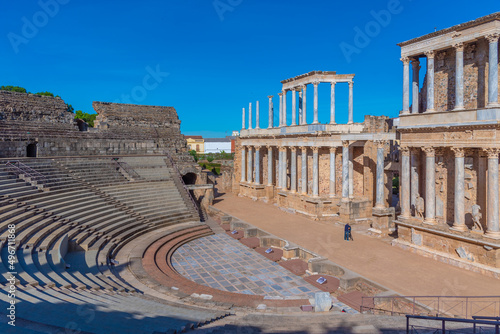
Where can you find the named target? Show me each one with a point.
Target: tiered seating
(53, 310)
(92, 204)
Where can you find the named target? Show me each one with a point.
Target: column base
(458, 108)
(430, 221)
(257, 128)
(379, 207)
(293, 124)
(430, 110)
(404, 112)
(315, 122)
(459, 228)
(333, 123)
(350, 122)
(493, 105)
(492, 235)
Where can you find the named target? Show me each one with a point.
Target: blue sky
(209, 59)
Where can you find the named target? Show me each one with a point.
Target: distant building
(217, 145)
(196, 143)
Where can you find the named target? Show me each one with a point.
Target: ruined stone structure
(41, 126)
(450, 147)
(318, 170)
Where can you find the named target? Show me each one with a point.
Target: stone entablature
(24, 107)
(462, 69)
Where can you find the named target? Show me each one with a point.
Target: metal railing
(19, 168)
(493, 326)
(456, 306)
(179, 178)
(129, 170)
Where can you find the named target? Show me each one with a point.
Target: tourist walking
(347, 232)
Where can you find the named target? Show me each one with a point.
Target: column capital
(405, 150)
(333, 149)
(269, 147)
(270, 96)
(459, 46)
(280, 94)
(492, 153)
(405, 60)
(415, 63)
(492, 38)
(345, 143)
(297, 89)
(303, 148)
(257, 147)
(429, 151)
(351, 83)
(430, 54)
(315, 83)
(459, 152)
(333, 83)
(315, 149)
(380, 143)
(293, 149)
(304, 86)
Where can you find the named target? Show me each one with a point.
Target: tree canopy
(89, 118)
(14, 89)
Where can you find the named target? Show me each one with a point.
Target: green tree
(89, 118)
(210, 157)
(14, 89)
(45, 94)
(194, 154)
(70, 108)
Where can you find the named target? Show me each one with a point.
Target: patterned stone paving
(223, 263)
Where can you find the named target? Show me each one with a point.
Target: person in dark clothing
(347, 232)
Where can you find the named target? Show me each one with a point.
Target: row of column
(459, 78)
(410, 192)
(302, 119)
(347, 172)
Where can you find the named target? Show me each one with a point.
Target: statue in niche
(419, 207)
(476, 217)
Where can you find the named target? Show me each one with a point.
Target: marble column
(414, 177)
(293, 181)
(304, 104)
(257, 164)
(430, 81)
(405, 182)
(303, 174)
(243, 163)
(459, 76)
(269, 165)
(243, 119)
(406, 85)
(280, 167)
(459, 207)
(350, 103)
(285, 167)
(281, 110)
(294, 106)
(430, 185)
(332, 103)
(345, 170)
(271, 112)
(351, 172)
(284, 108)
(492, 227)
(257, 115)
(315, 171)
(415, 63)
(333, 151)
(250, 116)
(315, 120)
(493, 70)
(300, 107)
(380, 184)
(250, 165)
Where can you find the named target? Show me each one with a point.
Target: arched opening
(189, 178)
(31, 151)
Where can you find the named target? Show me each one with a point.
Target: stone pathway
(223, 263)
(395, 268)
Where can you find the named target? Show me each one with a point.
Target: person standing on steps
(347, 231)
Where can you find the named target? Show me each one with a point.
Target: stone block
(322, 302)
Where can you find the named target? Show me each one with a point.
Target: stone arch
(189, 178)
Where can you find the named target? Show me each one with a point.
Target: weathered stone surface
(322, 302)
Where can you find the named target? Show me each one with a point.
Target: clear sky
(209, 59)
